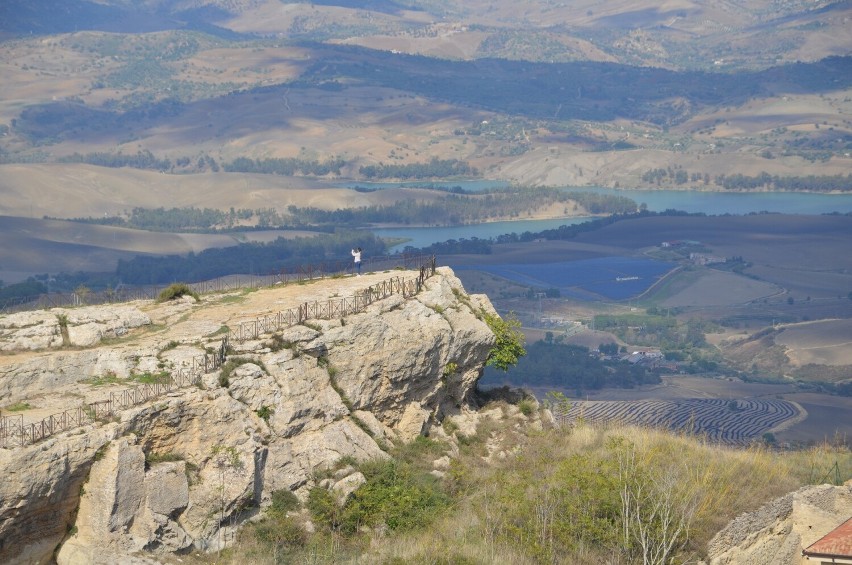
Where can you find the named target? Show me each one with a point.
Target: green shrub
(394, 495)
(322, 507)
(280, 531)
(283, 501)
(265, 412)
(526, 406)
(18, 407)
(152, 458)
(277, 343)
(152, 378)
(176, 290)
(509, 346)
(229, 367)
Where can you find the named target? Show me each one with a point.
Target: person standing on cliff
(356, 254)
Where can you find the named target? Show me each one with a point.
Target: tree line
(763, 181)
(818, 183)
(570, 367)
(248, 258)
(452, 209)
(458, 209)
(435, 168)
(141, 160)
(289, 166)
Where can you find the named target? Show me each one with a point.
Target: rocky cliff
(186, 469)
(776, 533)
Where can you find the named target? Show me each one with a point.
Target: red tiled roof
(836, 543)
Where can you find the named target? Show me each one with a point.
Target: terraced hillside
(733, 422)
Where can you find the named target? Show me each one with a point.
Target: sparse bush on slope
(175, 291)
(585, 495)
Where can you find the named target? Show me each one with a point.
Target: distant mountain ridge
(696, 34)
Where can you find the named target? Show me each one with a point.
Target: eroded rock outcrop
(85, 326)
(777, 533)
(188, 468)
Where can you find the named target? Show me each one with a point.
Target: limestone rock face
(184, 470)
(84, 326)
(40, 491)
(777, 533)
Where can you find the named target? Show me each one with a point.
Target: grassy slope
(546, 498)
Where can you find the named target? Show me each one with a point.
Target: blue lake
(614, 278)
(711, 203)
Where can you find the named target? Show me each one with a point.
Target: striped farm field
(734, 422)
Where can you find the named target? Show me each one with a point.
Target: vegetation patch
(509, 346)
(63, 329)
(151, 378)
(395, 496)
(277, 343)
(154, 458)
(18, 407)
(175, 291)
(230, 365)
(106, 379)
(265, 412)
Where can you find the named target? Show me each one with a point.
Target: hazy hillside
(106, 106)
(533, 93)
(695, 33)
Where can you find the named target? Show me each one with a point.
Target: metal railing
(299, 274)
(334, 308)
(14, 432)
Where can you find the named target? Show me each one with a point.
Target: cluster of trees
(435, 168)
(193, 219)
(29, 288)
(654, 329)
(453, 209)
(572, 231)
(456, 209)
(289, 166)
(818, 183)
(142, 160)
(677, 176)
(483, 246)
(183, 219)
(602, 203)
(473, 246)
(251, 258)
(37, 285)
(553, 364)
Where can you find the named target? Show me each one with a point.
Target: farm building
(645, 357)
(704, 259)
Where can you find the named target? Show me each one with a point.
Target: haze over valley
(655, 198)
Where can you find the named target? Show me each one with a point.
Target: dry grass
(827, 342)
(716, 288)
(721, 483)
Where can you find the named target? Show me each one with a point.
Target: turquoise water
(423, 237)
(711, 203)
(716, 203)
